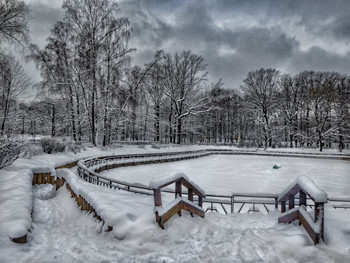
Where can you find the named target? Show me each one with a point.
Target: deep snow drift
(62, 233)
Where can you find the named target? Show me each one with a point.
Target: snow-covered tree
(13, 80)
(260, 90)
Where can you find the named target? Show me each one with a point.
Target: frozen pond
(227, 174)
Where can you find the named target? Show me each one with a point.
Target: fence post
(232, 203)
(302, 198)
(276, 203)
(291, 202)
(283, 206)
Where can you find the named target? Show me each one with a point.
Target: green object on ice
(275, 167)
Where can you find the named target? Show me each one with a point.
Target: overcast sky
(234, 37)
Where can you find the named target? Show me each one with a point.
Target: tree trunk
(178, 133)
(156, 123)
(71, 108)
(307, 126)
(78, 115)
(320, 140)
(53, 124)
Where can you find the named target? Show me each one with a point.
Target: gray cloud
(234, 36)
(43, 19)
(319, 60)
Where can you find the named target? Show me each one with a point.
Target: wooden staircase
(304, 187)
(163, 214)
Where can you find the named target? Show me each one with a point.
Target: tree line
(90, 91)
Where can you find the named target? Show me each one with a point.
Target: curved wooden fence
(88, 170)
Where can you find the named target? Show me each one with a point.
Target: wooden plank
(289, 217)
(293, 191)
(283, 206)
(192, 209)
(314, 236)
(20, 240)
(178, 188)
(157, 197)
(170, 213)
(291, 202)
(200, 201)
(302, 198)
(190, 194)
(317, 211)
(189, 185)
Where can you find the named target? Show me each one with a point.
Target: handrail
(87, 174)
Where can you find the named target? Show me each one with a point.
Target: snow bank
(157, 182)
(309, 186)
(127, 213)
(16, 202)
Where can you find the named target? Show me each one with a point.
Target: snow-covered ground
(227, 174)
(62, 233)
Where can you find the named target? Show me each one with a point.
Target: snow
(244, 174)
(61, 232)
(16, 201)
(163, 209)
(309, 186)
(16, 183)
(114, 207)
(157, 182)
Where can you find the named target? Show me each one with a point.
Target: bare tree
(185, 75)
(155, 85)
(290, 103)
(260, 89)
(342, 109)
(13, 80)
(322, 95)
(14, 21)
(95, 25)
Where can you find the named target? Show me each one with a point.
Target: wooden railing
(88, 170)
(163, 214)
(303, 186)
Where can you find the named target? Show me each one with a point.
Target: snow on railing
(89, 169)
(304, 186)
(163, 214)
(307, 186)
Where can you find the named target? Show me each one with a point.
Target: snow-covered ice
(227, 174)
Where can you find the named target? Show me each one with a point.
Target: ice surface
(240, 174)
